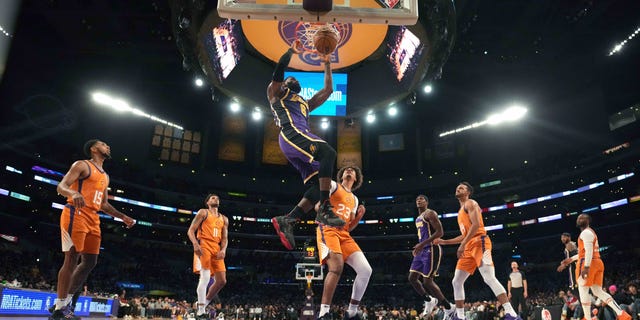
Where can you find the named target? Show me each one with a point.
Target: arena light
(324, 124)
(120, 105)
(5, 32)
(235, 107)
(198, 82)
(371, 118)
(392, 111)
(427, 89)
(256, 115)
(511, 114)
(621, 44)
(12, 169)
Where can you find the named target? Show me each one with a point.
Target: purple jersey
(427, 262)
(424, 229)
(292, 110)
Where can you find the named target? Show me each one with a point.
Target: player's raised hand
(297, 46)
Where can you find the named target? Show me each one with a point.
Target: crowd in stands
(263, 287)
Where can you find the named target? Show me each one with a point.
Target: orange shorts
(595, 276)
(476, 253)
(335, 240)
(78, 231)
(207, 260)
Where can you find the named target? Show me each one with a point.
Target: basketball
(326, 39)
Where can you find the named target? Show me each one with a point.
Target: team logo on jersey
(304, 31)
(313, 148)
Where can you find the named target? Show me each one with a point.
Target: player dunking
(85, 187)
(309, 154)
(426, 258)
(590, 269)
(336, 246)
(474, 253)
(208, 235)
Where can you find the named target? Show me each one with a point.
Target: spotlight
(428, 88)
(235, 107)
(256, 114)
(392, 111)
(199, 82)
(324, 124)
(371, 118)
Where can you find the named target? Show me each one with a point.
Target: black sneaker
(284, 230)
(327, 217)
(356, 317)
(327, 316)
(63, 314)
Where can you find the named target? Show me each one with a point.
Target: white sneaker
(428, 307)
(448, 313)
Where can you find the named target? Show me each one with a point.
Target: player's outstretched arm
(107, 208)
(274, 90)
(321, 96)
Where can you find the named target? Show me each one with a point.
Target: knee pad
(458, 284)
(489, 275)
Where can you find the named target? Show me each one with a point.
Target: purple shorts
(427, 262)
(299, 148)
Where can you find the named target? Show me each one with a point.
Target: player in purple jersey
(426, 259)
(309, 154)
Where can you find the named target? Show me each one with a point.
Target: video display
(225, 47)
(404, 50)
(312, 82)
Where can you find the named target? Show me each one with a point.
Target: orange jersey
(210, 230)
(344, 204)
(596, 246)
(464, 222)
(92, 189)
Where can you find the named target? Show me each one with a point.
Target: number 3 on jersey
(97, 198)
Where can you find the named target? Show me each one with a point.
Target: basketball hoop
(309, 277)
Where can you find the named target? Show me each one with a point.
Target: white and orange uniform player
(208, 235)
(336, 246)
(590, 269)
(85, 187)
(474, 253)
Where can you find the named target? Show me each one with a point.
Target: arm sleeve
(588, 238)
(356, 202)
(278, 73)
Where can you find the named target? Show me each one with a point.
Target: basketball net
(305, 31)
(309, 277)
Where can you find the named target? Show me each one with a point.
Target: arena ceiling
(549, 55)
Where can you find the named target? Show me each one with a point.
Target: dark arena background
(179, 94)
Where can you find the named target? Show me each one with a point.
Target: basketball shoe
(327, 217)
(284, 229)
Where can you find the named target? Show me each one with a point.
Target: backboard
(304, 269)
(388, 12)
